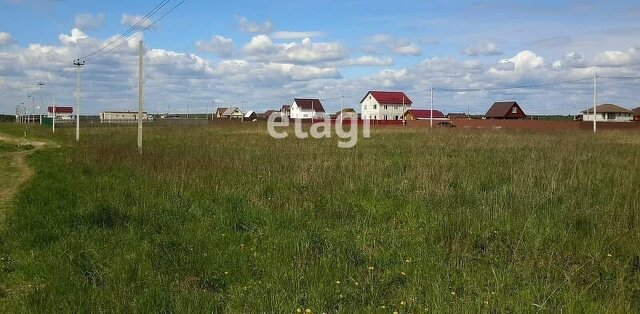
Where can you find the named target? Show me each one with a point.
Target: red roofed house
(61, 112)
(636, 114)
(306, 109)
(505, 110)
(424, 114)
(378, 105)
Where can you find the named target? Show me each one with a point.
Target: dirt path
(14, 172)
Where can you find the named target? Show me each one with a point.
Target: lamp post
(40, 85)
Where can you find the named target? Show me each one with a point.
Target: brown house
(505, 110)
(220, 112)
(636, 114)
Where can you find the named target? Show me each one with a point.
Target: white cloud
(131, 20)
(571, 60)
(254, 27)
(618, 58)
(218, 45)
(369, 61)
(383, 42)
(262, 48)
(87, 21)
(5, 38)
(76, 36)
(485, 49)
(296, 35)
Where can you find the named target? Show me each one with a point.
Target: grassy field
(226, 219)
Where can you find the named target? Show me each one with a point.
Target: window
(375, 107)
(385, 107)
(514, 110)
(365, 107)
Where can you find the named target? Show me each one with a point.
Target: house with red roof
(380, 105)
(307, 109)
(424, 114)
(61, 112)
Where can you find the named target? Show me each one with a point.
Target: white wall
(298, 113)
(608, 117)
(391, 112)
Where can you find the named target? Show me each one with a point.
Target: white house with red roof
(306, 109)
(379, 105)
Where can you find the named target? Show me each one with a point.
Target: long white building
(608, 113)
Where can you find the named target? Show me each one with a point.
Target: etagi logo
(321, 129)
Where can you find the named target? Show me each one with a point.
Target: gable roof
(636, 112)
(309, 104)
(608, 108)
(425, 113)
(220, 111)
(268, 113)
(345, 110)
(249, 114)
(285, 108)
(60, 109)
(389, 98)
(501, 109)
(230, 111)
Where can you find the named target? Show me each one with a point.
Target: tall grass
(224, 218)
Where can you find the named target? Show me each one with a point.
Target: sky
(261, 54)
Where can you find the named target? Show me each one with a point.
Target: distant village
(378, 106)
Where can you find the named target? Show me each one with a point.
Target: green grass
(224, 218)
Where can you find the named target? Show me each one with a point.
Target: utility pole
(140, 95)
(40, 85)
(595, 100)
(78, 64)
(25, 108)
(431, 115)
(54, 116)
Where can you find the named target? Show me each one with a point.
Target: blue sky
(215, 53)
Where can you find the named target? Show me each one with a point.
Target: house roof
(230, 111)
(268, 113)
(500, 109)
(249, 114)
(608, 108)
(285, 108)
(220, 111)
(389, 98)
(425, 113)
(636, 112)
(60, 109)
(309, 104)
(346, 110)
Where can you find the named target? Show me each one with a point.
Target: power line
(159, 6)
(142, 30)
(512, 87)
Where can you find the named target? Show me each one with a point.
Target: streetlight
(40, 85)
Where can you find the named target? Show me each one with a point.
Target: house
(608, 113)
(347, 113)
(268, 113)
(232, 113)
(505, 110)
(306, 109)
(286, 110)
(250, 116)
(122, 116)
(380, 105)
(220, 112)
(424, 114)
(64, 113)
(636, 114)
(457, 115)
